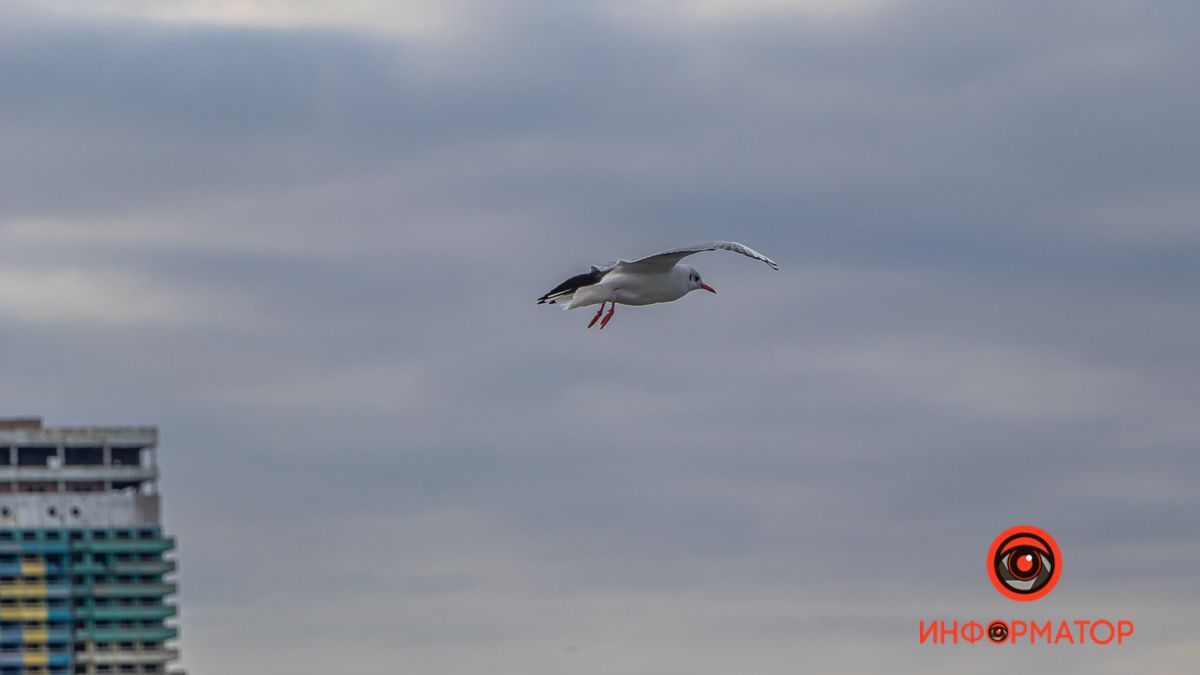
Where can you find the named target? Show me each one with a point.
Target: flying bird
(661, 277)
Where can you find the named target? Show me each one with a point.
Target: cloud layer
(305, 240)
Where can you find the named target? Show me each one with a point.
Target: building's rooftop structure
(83, 566)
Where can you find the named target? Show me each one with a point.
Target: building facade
(85, 572)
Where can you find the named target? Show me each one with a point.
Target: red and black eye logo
(1024, 563)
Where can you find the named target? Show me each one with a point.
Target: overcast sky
(305, 239)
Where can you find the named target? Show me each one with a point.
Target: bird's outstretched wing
(663, 262)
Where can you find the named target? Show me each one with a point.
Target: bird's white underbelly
(631, 289)
(643, 289)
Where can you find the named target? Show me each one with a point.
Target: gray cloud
(311, 256)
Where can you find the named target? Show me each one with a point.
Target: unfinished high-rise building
(84, 566)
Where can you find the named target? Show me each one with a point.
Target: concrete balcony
(119, 590)
(34, 658)
(23, 634)
(143, 567)
(116, 657)
(127, 634)
(33, 547)
(73, 473)
(13, 589)
(125, 613)
(34, 613)
(125, 545)
(88, 568)
(30, 569)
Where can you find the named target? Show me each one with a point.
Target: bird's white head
(694, 282)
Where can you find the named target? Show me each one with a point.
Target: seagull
(656, 278)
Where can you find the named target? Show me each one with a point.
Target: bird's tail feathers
(564, 293)
(562, 299)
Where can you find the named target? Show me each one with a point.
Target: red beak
(708, 288)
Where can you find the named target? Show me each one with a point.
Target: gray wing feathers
(667, 259)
